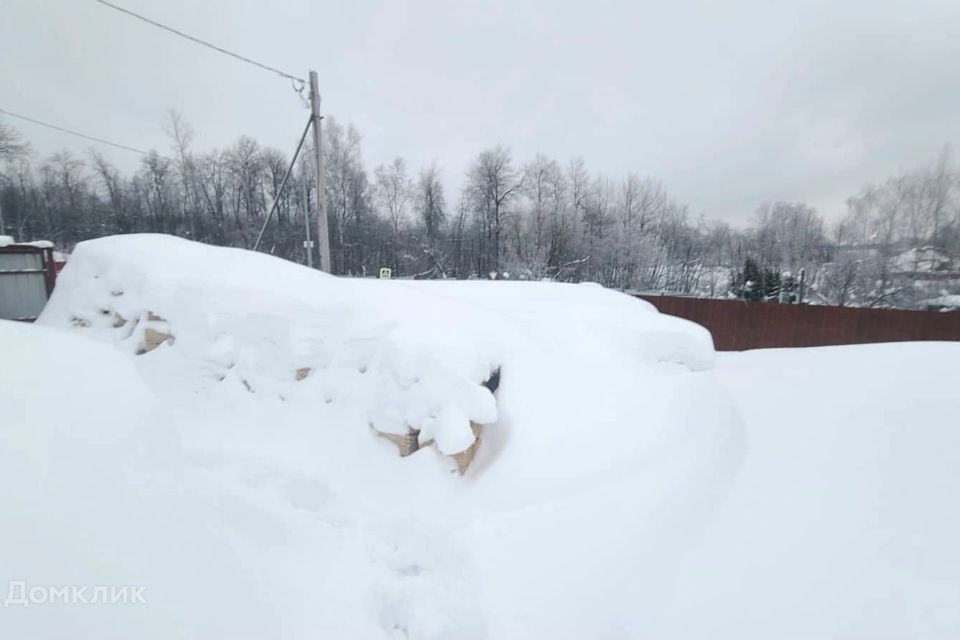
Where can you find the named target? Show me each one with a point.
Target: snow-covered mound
(411, 356)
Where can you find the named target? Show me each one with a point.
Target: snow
(6, 241)
(943, 301)
(39, 244)
(840, 522)
(411, 354)
(628, 482)
(922, 259)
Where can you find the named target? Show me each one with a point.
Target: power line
(291, 77)
(75, 133)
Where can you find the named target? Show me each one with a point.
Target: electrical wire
(204, 43)
(75, 133)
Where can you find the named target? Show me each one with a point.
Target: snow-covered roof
(39, 244)
(943, 301)
(922, 259)
(7, 241)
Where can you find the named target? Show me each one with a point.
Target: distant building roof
(922, 259)
(950, 302)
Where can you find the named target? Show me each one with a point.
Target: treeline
(531, 219)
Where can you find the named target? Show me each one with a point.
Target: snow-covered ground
(628, 482)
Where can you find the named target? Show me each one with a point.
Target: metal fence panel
(737, 325)
(23, 285)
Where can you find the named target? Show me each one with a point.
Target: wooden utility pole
(323, 233)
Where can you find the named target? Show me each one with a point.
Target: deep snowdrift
(409, 356)
(617, 491)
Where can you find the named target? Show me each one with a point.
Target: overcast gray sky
(731, 103)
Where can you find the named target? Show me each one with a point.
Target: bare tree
(939, 191)
(539, 180)
(531, 220)
(788, 235)
(182, 136)
(393, 189)
(11, 145)
(430, 202)
(492, 184)
(839, 282)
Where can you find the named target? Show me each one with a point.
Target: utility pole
(308, 243)
(323, 234)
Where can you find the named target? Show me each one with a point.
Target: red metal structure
(737, 325)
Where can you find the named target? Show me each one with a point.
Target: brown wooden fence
(737, 325)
